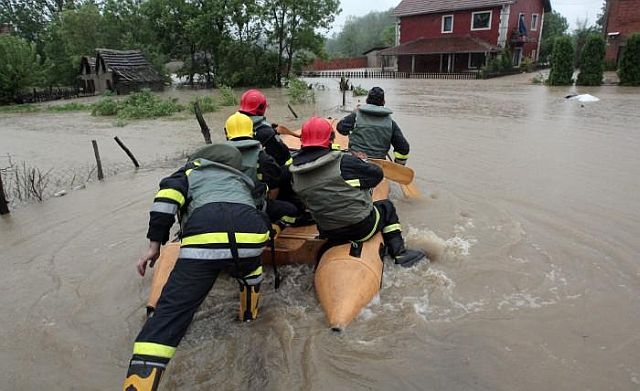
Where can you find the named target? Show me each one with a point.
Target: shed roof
(128, 64)
(448, 44)
(419, 7)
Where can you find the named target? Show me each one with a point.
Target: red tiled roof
(448, 44)
(419, 7)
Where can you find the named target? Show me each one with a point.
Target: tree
(18, 68)
(562, 62)
(580, 36)
(592, 61)
(360, 34)
(292, 24)
(555, 25)
(629, 72)
(601, 21)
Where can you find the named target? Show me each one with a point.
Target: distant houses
(622, 20)
(120, 71)
(447, 36)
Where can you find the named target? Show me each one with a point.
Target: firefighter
(336, 187)
(220, 229)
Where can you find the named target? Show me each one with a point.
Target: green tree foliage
(592, 61)
(562, 62)
(18, 68)
(580, 36)
(555, 25)
(292, 26)
(629, 72)
(602, 18)
(233, 42)
(375, 29)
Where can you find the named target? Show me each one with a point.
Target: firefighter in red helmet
(336, 188)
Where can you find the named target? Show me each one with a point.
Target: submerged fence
(364, 74)
(50, 93)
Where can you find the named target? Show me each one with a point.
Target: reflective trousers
(187, 286)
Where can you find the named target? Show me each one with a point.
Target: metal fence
(364, 74)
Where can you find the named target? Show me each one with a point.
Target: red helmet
(253, 102)
(316, 132)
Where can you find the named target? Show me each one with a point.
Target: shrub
(105, 107)
(227, 97)
(527, 65)
(592, 61)
(629, 72)
(299, 91)
(207, 104)
(562, 62)
(359, 91)
(138, 105)
(144, 104)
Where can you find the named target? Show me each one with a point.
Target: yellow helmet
(238, 125)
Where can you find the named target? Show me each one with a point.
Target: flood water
(531, 214)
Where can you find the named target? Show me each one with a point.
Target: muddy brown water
(531, 213)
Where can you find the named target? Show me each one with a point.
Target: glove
(399, 161)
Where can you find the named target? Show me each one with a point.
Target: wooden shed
(124, 71)
(87, 77)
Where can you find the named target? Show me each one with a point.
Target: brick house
(461, 35)
(622, 20)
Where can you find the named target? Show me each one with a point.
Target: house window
(534, 21)
(481, 20)
(447, 24)
(476, 60)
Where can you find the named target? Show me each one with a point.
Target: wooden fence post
(291, 110)
(98, 162)
(206, 133)
(4, 208)
(126, 150)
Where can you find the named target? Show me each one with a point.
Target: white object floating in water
(583, 97)
(60, 193)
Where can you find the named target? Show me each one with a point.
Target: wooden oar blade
(394, 171)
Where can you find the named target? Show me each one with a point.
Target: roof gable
(128, 64)
(419, 7)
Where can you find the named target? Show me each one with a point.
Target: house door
(447, 61)
(517, 56)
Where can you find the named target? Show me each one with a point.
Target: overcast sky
(573, 10)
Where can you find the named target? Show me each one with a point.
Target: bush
(592, 61)
(299, 91)
(562, 62)
(105, 107)
(527, 65)
(207, 104)
(138, 105)
(359, 91)
(629, 72)
(227, 97)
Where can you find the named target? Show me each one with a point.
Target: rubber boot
(143, 376)
(249, 297)
(402, 256)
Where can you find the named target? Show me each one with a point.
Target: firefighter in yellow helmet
(220, 229)
(261, 167)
